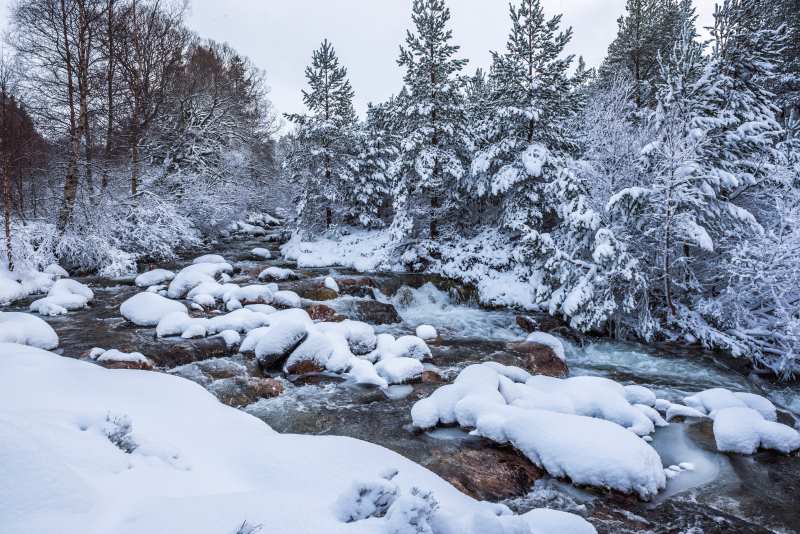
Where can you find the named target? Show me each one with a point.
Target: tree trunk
(109, 91)
(134, 165)
(71, 178)
(7, 212)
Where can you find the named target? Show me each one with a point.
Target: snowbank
(27, 329)
(147, 309)
(10, 289)
(581, 428)
(90, 453)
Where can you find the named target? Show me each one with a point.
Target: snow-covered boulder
(116, 359)
(399, 370)
(426, 332)
(147, 309)
(156, 277)
(262, 253)
(277, 274)
(548, 340)
(593, 435)
(411, 347)
(56, 271)
(712, 400)
(26, 329)
(65, 293)
(209, 258)
(331, 284)
(744, 430)
(194, 275)
(252, 294)
(286, 299)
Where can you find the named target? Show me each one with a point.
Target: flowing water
(724, 493)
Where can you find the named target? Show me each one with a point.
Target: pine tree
(649, 28)
(525, 137)
(431, 163)
(325, 135)
(372, 187)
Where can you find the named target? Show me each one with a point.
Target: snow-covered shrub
(119, 431)
(365, 499)
(412, 514)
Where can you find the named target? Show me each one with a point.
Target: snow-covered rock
(426, 332)
(712, 400)
(548, 340)
(262, 253)
(276, 274)
(331, 284)
(194, 275)
(744, 430)
(116, 358)
(209, 258)
(399, 370)
(148, 309)
(26, 329)
(581, 428)
(252, 294)
(156, 277)
(411, 347)
(65, 293)
(287, 299)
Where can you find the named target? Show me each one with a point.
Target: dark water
(726, 493)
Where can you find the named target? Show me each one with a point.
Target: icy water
(724, 493)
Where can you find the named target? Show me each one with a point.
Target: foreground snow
(88, 452)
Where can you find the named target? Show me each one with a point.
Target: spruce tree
(431, 163)
(325, 136)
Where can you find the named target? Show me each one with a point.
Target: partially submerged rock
(540, 359)
(243, 391)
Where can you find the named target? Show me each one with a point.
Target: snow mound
(179, 323)
(67, 459)
(548, 340)
(10, 289)
(744, 430)
(582, 428)
(65, 293)
(147, 309)
(287, 299)
(26, 329)
(194, 275)
(277, 274)
(426, 332)
(262, 253)
(331, 284)
(116, 356)
(712, 400)
(156, 277)
(209, 258)
(399, 370)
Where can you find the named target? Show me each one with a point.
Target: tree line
(656, 197)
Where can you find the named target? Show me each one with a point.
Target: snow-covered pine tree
(525, 137)
(372, 186)
(325, 137)
(648, 28)
(431, 163)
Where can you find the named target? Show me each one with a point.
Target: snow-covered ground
(104, 451)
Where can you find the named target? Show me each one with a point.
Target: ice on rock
(156, 277)
(194, 275)
(148, 309)
(209, 258)
(66, 293)
(26, 329)
(548, 340)
(744, 430)
(583, 446)
(262, 253)
(286, 299)
(399, 370)
(426, 332)
(276, 274)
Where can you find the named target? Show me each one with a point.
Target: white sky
(279, 36)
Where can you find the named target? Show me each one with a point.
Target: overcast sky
(279, 36)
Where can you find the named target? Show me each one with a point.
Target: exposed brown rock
(242, 391)
(372, 312)
(304, 367)
(432, 377)
(321, 312)
(320, 294)
(490, 474)
(527, 323)
(540, 359)
(141, 366)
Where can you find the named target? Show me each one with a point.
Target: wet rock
(371, 311)
(490, 474)
(305, 367)
(166, 354)
(357, 287)
(242, 391)
(321, 312)
(140, 365)
(540, 359)
(527, 323)
(321, 294)
(701, 432)
(205, 372)
(432, 377)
